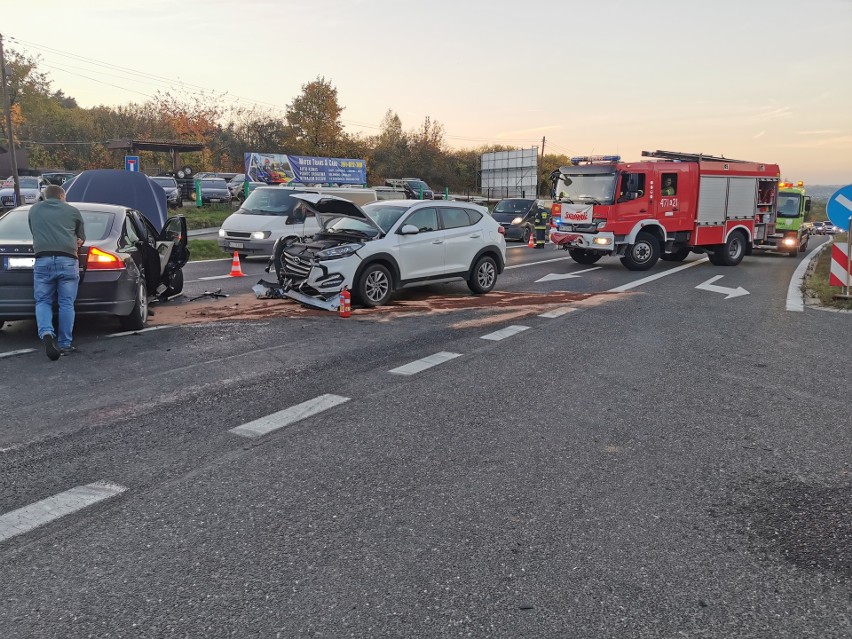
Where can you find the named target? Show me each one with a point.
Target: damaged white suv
(388, 245)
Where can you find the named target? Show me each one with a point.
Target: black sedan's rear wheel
(138, 318)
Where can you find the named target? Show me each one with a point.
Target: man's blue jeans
(56, 278)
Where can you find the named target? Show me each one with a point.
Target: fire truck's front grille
(579, 228)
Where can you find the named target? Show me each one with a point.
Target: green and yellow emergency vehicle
(791, 233)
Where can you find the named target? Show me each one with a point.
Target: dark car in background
(516, 216)
(214, 191)
(172, 189)
(123, 263)
(413, 188)
(58, 177)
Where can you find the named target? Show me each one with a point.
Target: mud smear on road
(501, 305)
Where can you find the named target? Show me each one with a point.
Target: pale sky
(762, 80)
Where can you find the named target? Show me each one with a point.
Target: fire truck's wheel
(582, 256)
(731, 252)
(643, 254)
(375, 286)
(676, 256)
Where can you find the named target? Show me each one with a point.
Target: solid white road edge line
(651, 278)
(558, 312)
(42, 512)
(23, 351)
(266, 425)
(503, 333)
(795, 296)
(142, 330)
(422, 364)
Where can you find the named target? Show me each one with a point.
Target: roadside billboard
(278, 168)
(510, 173)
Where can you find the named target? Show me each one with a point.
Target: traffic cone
(236, 269)
(531, 243)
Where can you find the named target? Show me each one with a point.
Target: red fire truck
(663, 208)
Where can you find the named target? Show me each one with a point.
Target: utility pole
(9, 134)
(542, 164)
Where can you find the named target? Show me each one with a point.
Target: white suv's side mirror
(409, 229)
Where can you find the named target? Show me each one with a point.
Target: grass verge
(205, 217)
(205, 250)
(817, 284)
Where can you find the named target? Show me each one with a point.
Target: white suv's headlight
(336, 252)
(221, 232)
(260, 235)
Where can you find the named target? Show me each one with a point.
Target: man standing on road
(57, 230)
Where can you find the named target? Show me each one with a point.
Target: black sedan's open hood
(328, 208)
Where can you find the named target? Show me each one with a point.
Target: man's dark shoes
(50, 347)
(69, 350)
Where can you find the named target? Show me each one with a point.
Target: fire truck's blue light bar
(595, 158)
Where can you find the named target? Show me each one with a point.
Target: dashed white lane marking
(558, 312)
(503, 333)
(23, 351)
(651, 278)
(555, 259)
(795, 297)
(143, 330)
(266, 425)
(212, 277)
(42, 512)
(422, 364)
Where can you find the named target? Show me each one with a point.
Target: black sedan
(123, 263)
(516, 216)
(214, 191)
(174, 199)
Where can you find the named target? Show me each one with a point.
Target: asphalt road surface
(614, 454)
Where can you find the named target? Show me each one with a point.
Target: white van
(269, 213)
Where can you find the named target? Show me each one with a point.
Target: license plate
(21, 262)
(215, 199)
(235, 244)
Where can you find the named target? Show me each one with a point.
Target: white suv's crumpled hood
(328, 208)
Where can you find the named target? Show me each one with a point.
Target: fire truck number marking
(668, 201)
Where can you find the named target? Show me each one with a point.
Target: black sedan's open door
(174, 254)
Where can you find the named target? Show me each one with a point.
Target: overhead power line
(164, 82)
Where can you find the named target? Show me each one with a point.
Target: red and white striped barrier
(839, 266)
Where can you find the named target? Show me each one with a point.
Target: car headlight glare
(601, 240)
(221, 232)
(517, 220)
(336, 252)
(260, 235)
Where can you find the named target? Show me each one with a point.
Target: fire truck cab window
(632, 187)
(669, 184)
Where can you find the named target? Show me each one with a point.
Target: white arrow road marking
(728, 292)
(565, 276)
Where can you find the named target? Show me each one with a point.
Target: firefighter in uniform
(542, 215)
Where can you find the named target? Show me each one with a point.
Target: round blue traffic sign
(839, 207)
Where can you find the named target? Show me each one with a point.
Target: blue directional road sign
(131, 163)
(839, 207)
